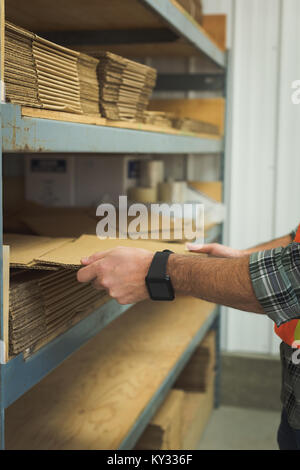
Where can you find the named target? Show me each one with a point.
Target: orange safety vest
(290, 332)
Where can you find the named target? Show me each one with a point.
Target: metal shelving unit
(21, 134)
(187, 30)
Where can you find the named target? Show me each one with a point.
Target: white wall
(287, 187)
(263, 164)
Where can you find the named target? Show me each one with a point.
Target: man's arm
(265, 282)
(220, 280)
(122, 272)
(222, 251)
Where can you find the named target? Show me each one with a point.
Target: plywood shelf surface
(95, 399)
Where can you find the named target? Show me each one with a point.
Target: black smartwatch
(157, 280)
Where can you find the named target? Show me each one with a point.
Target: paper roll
(143, 195)
(173, 191)
(152, 173)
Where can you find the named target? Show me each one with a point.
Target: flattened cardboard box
(70, 254)
(24, 249)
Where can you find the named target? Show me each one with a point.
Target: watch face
(160, 289)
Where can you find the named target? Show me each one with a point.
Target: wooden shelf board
(69, 15)
(94, 399)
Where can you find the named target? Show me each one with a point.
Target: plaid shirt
(275, 276)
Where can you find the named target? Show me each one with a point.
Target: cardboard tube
(173, 191)
(152, 173)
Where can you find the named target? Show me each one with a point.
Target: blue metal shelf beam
(187, 30)
(21, 375)
(25, 134)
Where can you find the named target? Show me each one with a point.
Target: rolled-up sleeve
(275, 276)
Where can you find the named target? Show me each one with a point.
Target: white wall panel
(287, 186)
(250, 174)
(287, 189)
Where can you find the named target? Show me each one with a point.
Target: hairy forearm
(224, 281)
(282, 241)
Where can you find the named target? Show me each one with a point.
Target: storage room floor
(250, 429)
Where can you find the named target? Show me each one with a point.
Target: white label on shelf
(2, 352)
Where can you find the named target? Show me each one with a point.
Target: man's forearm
(282, 241)
(223, 281)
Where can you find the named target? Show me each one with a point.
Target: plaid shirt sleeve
(275, 276)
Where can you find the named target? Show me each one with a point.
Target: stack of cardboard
(185, 124)
(45, 300)
(159, 118)
(20, 72)
(40, 73)
(196, 126)
(89, 86)
(125, 87)
(43, 304)
(45, 297)
(57, 73)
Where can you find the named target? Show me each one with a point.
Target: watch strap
(158, 266)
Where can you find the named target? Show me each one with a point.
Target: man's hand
(216, 249)
(121, 271)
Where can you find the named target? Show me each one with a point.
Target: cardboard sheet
(24, 249)
(71, 253)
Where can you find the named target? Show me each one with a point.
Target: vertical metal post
(218, 367)
(218, 321)
(2, 412)
(226, 172)
(2, 97)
